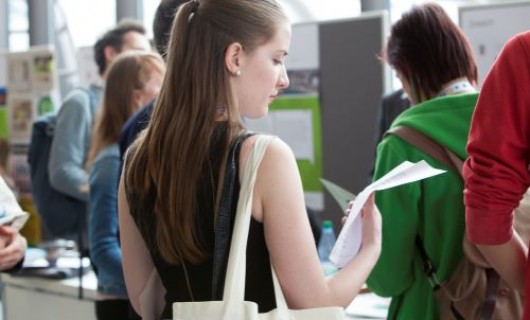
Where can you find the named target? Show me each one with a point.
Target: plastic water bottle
(325, 246)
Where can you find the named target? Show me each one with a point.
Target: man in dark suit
(391, 106)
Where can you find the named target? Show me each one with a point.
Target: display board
(353, 80)
(488, 27)
(31, 92)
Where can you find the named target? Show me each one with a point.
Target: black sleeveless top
(259, 286)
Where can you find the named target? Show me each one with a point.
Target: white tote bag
(233, 306)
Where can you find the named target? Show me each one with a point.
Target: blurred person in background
(433, 59)
(133, 79)
(497, 172)
(71, 142)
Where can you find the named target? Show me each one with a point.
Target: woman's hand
(346, 213)
(12, 247)
(371, 225)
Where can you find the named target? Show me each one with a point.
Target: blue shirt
(133, 126)
(103, 238)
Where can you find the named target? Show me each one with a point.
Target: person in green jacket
(434, 61)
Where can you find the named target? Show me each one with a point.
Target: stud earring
(237, 73)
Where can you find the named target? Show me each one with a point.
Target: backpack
(474, 290)
(61, 214)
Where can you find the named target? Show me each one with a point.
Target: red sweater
(497, 170)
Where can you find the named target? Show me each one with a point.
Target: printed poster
(43, 72)
(19, 73)
(21, 113)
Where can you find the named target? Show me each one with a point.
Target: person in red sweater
(497, 172)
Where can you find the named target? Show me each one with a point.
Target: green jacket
(432, 208)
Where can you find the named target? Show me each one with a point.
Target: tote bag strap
(234, 290)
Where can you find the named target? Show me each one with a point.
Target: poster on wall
(31, 86)
(20, 116)
(19, 73)
(43, 72)
(45, 102)
(32, 90)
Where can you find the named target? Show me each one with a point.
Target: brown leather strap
(493, 282)
(432, 148)
(487, 307)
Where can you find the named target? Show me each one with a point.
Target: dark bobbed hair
(171, 153)
(162, 23)
(429, 50)
(114, 38)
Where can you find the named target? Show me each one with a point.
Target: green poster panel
(3, 123)
(311, 168)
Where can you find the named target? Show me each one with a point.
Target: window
(18, 25)
(88, 20)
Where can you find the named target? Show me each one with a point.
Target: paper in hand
(10, 211)
(349, 240)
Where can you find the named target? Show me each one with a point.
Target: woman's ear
(138, 98)
(110, 53)
(234, 58)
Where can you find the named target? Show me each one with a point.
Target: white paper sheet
(10, 211)
(349, 240)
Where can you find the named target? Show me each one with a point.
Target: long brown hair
(130, 71)
(170, 154)
(429, 50)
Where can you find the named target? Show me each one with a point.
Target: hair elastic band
(195, 6)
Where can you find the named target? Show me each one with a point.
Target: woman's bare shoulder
(277, 152)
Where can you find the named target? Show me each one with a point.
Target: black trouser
(115, 310)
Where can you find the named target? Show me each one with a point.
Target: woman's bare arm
(279, 204)
(509, 260)
(137, 263)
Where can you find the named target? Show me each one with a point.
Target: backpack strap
(432, 148)
(449, 159)
(428, 267)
